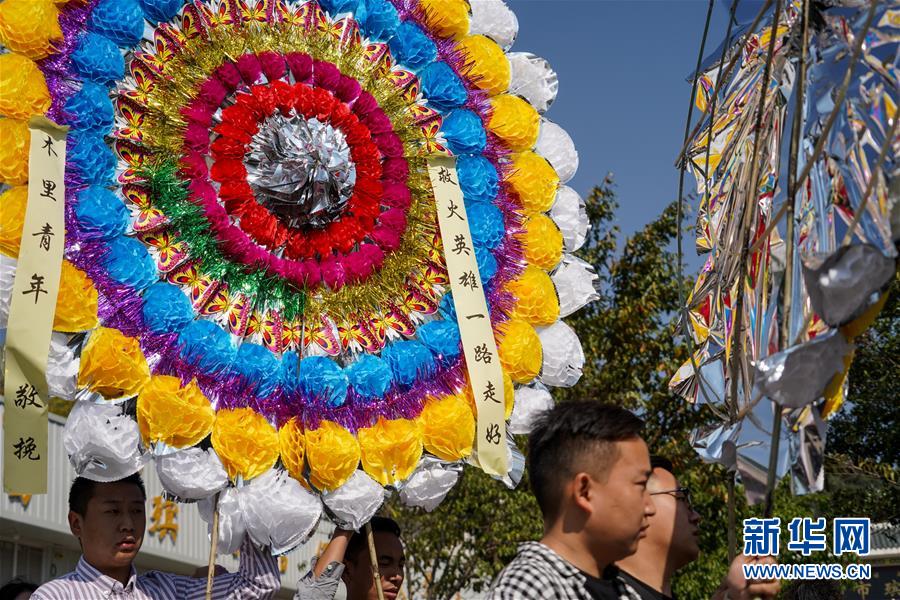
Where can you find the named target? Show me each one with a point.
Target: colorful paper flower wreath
(248, 199)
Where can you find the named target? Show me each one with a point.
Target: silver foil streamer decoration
(798, 376)
(843, 285)
(103, 444)
(430, 483)
(300, 169)
(353, 504)
(192, 473)
(842, 251)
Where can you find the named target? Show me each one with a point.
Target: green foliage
(633, 346)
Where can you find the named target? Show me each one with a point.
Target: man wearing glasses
(672, 542)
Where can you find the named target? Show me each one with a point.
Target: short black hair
(16, 586)
(562, 434)
(661, 462)
(82, 491)
(358, 540)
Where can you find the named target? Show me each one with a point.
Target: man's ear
(583, 491)
(76, 523)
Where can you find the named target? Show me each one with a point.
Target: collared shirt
(539, 573)
(644, 591)
(257, 578)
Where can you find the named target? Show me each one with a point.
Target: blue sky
(623, 93)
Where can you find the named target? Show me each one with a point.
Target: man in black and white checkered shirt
(588, 468)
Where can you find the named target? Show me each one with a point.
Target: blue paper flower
(91, 158)
(447, 307)
(464, 131)
(442, 87)
(408, 360)
(89, 109)
(290, 375)
(487, 264)
(122, 21)
(98, 59)
(321, 377)
(207, 345)
(166, 308)
(158, 11)
(486, 223)
(258, 366)
(478, 178)
(411, 47)
(370, 377)
(129, 263)
(377, 18)
(334, 7)
(441, 337)
(101, 215)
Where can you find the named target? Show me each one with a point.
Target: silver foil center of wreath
(300, 169)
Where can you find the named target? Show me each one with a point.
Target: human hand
(739, 588)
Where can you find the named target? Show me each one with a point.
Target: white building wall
(42, 524)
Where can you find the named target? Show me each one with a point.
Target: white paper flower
(278, 511)
(354, 503)
(429, 484)
(192, 473)
(570, 215)
(530, 400)
(494, 19)
(102, 443)
(532, 78)
(574, 280)
(555, 144)
(563, 356)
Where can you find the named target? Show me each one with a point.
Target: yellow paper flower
(23, 91)
(514, 121)
(542, 242)
(448, 427)
(291, 442)
(245, 441)
(508, 395)
(520, 351)
(485, 63)
(536, 299)
(448, 18)
(14, 151)
(29, 26)
(174, 415)
(12, 219)
(333, 455)
(390, 450)
(76, 304)
(112, 364)
(535, 181)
